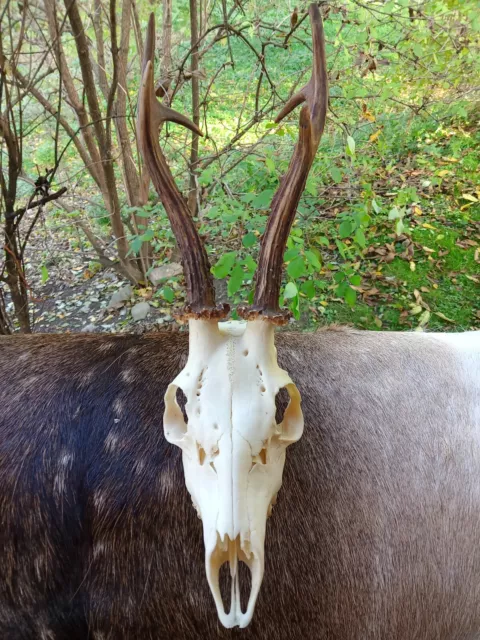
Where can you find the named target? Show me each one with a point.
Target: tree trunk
(5, 325)
(166, 61)
(16, 278)
(102, 135)
(192, 194)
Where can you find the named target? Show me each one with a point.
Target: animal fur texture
(375, 535)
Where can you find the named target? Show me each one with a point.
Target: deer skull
(233, 450)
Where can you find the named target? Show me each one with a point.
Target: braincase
(232, 388)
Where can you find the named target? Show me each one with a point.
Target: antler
(284, 205)
(151, 116)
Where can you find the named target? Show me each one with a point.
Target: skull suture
(233, 450)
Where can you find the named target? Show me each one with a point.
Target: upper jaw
(232, 552)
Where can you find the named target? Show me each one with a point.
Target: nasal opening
(234, 575)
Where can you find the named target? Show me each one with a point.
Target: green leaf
(340, 290)
(44, 272)
(351, 146)
(360, 238)
(206, 176)
(312, 258)
(290, 290)
(223, 267)
(350, 296)
(263, 199)
(345, 229)
(342, 247)
(417, 50)
(290, 254)
(394, 214)
(308, 288)
(270, 164)
(375, 206)
(356, 280)
(136, 244)
(236, 280)
(323, 240)
(296, 268)
(147, 236)
(250, 263)
(249, 240)
(311, 187)
(336, 174)
(339, 277)
(168, 294)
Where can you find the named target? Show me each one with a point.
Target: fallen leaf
(469, 197)
(443, 317)
(424, 318)
(412, 266)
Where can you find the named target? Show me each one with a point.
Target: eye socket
(182, 401)
(281, 403)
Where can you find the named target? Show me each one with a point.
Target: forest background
(387, 233)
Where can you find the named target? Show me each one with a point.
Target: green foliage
(396, 171)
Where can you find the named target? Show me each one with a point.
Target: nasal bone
(233, 552)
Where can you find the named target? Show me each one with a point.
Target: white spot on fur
(139, 466)
(105, 346)
(45, 632)
(40, 567)
(127, 375)
(111, 442)
(99, 499)
(86, 378)
(118, 406)
(66, 459)
(98, 549)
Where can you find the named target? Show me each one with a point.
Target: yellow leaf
(324, 303)
(378, 322)
(416, 309)
(428, 226)
(469, 197)
(412, 266)
(435, 286)
(374, 137)
(417, 211)
(444, 173)
(424, 318)
(443, 317)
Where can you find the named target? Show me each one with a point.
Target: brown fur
(374, 537)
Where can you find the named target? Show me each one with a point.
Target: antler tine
(151, 116)
(268, 277)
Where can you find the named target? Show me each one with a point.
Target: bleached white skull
(233, 449)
